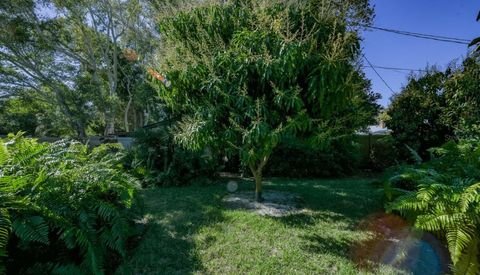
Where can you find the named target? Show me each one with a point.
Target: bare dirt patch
(274, 204)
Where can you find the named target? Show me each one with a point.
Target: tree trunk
(80, 127)
(257, 171)
(127, 110)
(109, 122)
(258, 187)
(147, 116)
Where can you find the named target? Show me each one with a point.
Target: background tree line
(436, 106)
(76, 67)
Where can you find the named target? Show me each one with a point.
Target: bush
(445, 200)
(156, 160)
(189, 166)
(63, 208)
(294, 158)
(379, 152)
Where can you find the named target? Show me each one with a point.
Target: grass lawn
(190, 231)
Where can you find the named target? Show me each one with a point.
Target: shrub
(156, 160)
(189, 166)
(446, 200)
(381, 153)
(63, 208)
(294, 158)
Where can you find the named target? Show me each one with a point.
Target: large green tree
(415, 114)
(30, 60)
(77, 56)
(246, 73)
(462, 99)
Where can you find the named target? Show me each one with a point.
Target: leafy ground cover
(189, 230)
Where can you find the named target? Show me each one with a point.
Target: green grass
(190, 231)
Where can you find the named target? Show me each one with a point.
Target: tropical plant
(446, 200)
(64, 208)
(245, 74)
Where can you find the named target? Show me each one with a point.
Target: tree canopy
(246, 73)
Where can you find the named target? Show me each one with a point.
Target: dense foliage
(83, 60)
(415, 114)
(246, 73)
(156, 160)
(435, 107)
(294, 158)
(64, 208)
(444, 199)
(462, 100)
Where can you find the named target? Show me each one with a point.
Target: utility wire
(395, 69)
(422, 35)
(385, 82)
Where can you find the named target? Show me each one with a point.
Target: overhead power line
(395, 69)
(423, 36)
(373, 67)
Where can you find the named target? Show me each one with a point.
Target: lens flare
(393, 242)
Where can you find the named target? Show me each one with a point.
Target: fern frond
(415, 156)
(5, 228)
(4, 155)
(31, 229)
(470, 196)
(468, 263)
(459, 238)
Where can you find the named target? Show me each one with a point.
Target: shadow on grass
(316, 243)
(173, 217)
(333, 206)
(347, 200)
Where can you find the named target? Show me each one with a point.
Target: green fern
(5, 227)
(63, 195)
(447, 202)
(31, 229)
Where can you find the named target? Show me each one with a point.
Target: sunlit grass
(190, 231)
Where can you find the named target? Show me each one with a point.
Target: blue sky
(452, 18)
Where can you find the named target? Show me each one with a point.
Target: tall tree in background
(30, 60)
(104, 31)
(69, 53)
(415, 114)
(247, 73)
(462, 99)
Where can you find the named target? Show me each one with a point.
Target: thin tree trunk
(135, 123)
(258, 186)
(127, 110)
(147, 116)
(109, 122)
(80, 127)
(257, 172)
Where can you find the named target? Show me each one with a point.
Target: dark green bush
(63, 207)
(294, 158)
(188, 166)
(380, 153)
(158, 161)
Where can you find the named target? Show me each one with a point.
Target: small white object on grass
(232, 186)
(167, 83)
